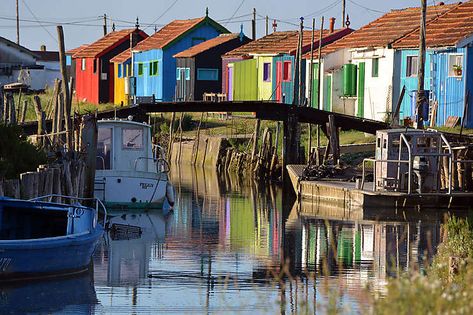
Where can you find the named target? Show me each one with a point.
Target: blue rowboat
(39, 238)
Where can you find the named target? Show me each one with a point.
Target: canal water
(232, 245)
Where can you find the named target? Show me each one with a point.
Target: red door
(278, 81)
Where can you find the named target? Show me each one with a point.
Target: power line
(27, 7)
(165, 11)
(366, 8)
(235, 12)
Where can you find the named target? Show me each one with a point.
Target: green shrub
(17, 155)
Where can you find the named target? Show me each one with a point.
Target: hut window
(411, 68)
(95, 65)
(286, 76)
(374, 67)
(455, 65)
(207, 74)
(178, 73)
(83, 64)
(153, 68)
(266, 72)
(140, 68)
(119, 71)
(188, 74)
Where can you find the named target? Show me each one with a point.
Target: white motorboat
(131, 172)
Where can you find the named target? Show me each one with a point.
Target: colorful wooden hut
(94, 73)
(358, 70)
(122, 74)
(153, 64)
(199, 68)
(264, 69)
(448, 67)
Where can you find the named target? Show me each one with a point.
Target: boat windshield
(104, 148)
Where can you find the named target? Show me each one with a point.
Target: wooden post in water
(29, 185)
(24, 111)
(65, 89)
(12, 112)
(197, 140)
(89, 144)
(11, 188)
(291, 143)
(6, 107)
(40, 117)
(421, 99)
(171, 134)
(255, 140)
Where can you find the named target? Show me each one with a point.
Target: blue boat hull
(59, 255)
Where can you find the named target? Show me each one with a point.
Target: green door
(315, 85)
(328, 93)
(361, 89)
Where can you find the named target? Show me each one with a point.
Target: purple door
(230, 84)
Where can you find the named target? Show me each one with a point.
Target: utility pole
(300, 90)
(267, 25)
(104, 24)
(421, 97)
(17, 23)
(343, 13)
(253, 25)
(319, 78)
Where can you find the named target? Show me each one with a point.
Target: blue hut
(153, 64)
(448, 67)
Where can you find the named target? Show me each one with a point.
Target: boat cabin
(124, 145)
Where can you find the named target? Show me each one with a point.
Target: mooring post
(291, 143)
(89, 144)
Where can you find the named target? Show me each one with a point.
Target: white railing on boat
(98, 203)
(162, 165)
(409, 161)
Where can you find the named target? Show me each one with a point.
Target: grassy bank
(442, 289)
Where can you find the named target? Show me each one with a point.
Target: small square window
(155, 68)
(119, 71)
(266, 72)
(455, 65)
(412, 64)
(374, 67)
(140, 68)
(286, 71)
(83, 64)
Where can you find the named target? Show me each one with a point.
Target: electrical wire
(165, 11)
(235, 12)
(27, 7)
(366, 8)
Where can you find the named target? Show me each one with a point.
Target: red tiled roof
(121, 57)
(386, 29)
(283, 42)
(211, 43)
(171, 32)
(448, 29)
(103, 44)
(76, 50)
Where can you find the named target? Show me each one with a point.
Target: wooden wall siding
(265, 88)
(468, 69)
(87, 82)
(283, 87)
(225, 64)
(185, 89)
(147, 85)
(245, 80)
(119, 84)
(448, 91)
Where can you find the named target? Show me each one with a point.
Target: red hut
(94, 72)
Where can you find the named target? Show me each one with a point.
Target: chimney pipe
(332, 24)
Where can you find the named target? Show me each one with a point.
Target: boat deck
(342, 193)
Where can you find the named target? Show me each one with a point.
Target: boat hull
(126, 191)
(21, 259)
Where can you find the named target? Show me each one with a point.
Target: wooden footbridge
(263, 110)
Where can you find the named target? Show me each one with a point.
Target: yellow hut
(122, 74)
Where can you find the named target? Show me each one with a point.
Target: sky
(83, 19)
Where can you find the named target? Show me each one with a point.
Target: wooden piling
(255, 140)
(12, 113)
(65, 90)
(11, 188)
(1, 189)
(40, 117)
(29, 184)
(24, 111)
(89, 145)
